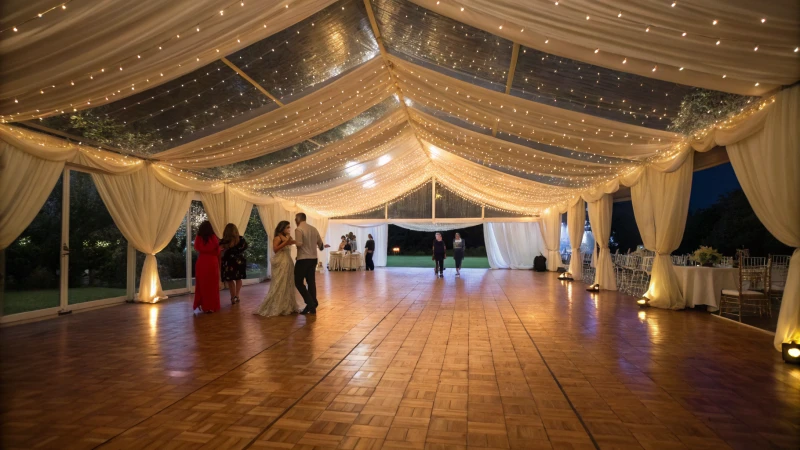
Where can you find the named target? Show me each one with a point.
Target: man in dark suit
(369, 251)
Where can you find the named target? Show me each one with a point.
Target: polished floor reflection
(398, 359)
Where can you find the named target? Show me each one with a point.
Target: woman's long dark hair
(205, 230)
(281, 226)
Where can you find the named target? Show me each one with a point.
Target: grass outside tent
(470, 262)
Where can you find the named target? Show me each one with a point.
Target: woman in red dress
(206, 292)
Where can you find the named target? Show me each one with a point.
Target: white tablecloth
(345, 261)
(703, 285)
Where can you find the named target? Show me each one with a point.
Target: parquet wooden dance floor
(397, 359)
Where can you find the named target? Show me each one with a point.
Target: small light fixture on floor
(791, 352)
(594, 288)
(643, 302)
(565, 276)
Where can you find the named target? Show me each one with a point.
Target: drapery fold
(25, 183)
(226, 208)
(550, 228)
(147, 213)
(600, 221)
(660, 205)
(767, 165)
(323, 109)
(663, 53)
(576, 226)
(512, 245)
(153, 42)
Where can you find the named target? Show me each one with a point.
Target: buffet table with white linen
(703, 285)
(345, 261)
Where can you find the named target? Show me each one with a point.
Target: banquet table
(703, 285)
(345, 261)
(335, 261)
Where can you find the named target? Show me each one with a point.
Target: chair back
(647, 263)
(752, 273)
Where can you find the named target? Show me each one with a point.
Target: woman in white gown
(280, 299)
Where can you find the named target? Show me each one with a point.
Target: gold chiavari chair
(747, 296)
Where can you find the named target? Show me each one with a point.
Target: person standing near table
(439, 254)
(369, 251)
(458, 252)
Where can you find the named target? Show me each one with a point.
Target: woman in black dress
(439, 254)
(234, 264)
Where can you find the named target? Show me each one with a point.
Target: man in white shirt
(307, 240)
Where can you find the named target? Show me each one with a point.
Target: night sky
(709, 184)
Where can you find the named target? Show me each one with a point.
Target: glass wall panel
(97, 249)
(257, 247)
(32, 262)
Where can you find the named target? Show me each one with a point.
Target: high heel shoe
(237, 299)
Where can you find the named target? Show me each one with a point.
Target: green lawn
(23, 301)
(470, 262)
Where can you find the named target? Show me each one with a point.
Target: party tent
(421, 111)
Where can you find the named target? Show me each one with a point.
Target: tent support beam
(250, 80)
(511, 69)
(384, 54)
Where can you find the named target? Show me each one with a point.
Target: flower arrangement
(706, 256)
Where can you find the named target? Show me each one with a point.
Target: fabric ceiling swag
(97, 52)
(722, 37)
(531, 120)
(332, 105)
(353, 147)
(767, 166)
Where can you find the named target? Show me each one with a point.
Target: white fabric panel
(550, 227)
(25, 183)
(600, 220)
(660, 205)
(68, 46)
(576, 226)
(379, 232)
(271, 215)
(436, 226)
(531, 120)
(562, 28)
(768, 168)
(226, 208)
(512, 245)
(147, 213)
(332, 105)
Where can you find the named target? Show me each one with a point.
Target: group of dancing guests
(349, 244)
(224, 260)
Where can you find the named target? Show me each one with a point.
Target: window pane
(257, 245)
(97, 250)
(32, 261)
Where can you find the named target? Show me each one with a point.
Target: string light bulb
(714, 22)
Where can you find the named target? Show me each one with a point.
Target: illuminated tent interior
(421, 111)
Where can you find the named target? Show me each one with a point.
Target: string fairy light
(60, 7)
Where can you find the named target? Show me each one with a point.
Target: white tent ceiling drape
(488, 147)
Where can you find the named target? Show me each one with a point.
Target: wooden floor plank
(398, 359)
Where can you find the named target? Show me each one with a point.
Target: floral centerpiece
(706, 256)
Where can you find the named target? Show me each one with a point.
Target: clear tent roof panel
(202, 102)
(299, 59)
(443, 44)
(595, 90)
(305, 148)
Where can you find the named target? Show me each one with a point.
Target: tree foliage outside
(702, 108)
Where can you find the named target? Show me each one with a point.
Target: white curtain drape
(564, 29)
(767, 166)
(271, 214)
(226, 208)
(379, 232)
(600, 220)
(660, 205)
(147, 213)
(576, 225)
(512, 245)
(550, 227)
(153, 42)
(25, 183)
